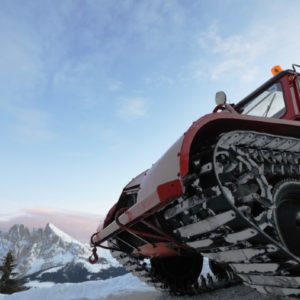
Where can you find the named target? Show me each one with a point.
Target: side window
(270, 103)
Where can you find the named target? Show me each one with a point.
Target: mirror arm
(225, 106)
(231, 108)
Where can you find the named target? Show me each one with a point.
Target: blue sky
(93, 92)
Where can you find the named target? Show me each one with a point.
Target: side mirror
(220, 98)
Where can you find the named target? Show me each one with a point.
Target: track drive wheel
(180, 273)
(287, 213)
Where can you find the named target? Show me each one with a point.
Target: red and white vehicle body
(163, 182)
(137, 222)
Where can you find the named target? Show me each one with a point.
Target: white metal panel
(164, 170)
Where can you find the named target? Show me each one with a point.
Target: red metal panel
(214, 124)
(167, 191)
(170, 190)
(158, 249)
(290, 109)
(188, 139)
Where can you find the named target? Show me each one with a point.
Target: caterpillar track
(147, 273)
(228, 214)
(228, 189)
(232, 211)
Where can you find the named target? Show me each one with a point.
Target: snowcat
(229, 190)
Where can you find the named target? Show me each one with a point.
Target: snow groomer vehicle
(228, 189)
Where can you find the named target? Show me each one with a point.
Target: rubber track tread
(144, 272)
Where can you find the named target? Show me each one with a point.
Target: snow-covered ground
(116, 288)
(126, 287)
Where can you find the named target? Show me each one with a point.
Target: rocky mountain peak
(18, 232)
(42, 249)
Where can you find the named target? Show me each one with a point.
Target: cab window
(270, 103)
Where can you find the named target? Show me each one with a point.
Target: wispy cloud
(31, 125)
(242, 54)
(83, 225)
(230, 54)
(10, 216)
(134, 108)
(231, 45)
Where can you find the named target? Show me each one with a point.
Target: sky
(93, 92)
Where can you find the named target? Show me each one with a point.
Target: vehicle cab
(278, 98)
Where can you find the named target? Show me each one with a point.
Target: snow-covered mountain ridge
(52, 255)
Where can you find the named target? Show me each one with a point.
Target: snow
(36, 265)
(67, 238)
(35, 283)
(96, 268)
(52, 270)
(90, 290)
(206, 268)
(126, 287)
(58, 260)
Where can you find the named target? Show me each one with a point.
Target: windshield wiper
(257, 104)
(269, 106)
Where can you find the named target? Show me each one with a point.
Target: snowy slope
(125, 287)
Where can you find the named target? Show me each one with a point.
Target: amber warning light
(276, 70)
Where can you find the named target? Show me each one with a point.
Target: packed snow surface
(105, 289)
(126, 287)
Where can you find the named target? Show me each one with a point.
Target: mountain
(49, 254)
(83, 224)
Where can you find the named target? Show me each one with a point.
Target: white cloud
(245, 55)
(231, 54)
(31, 125)
(214, 42)
(133, 108)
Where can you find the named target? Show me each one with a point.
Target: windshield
(270, 103)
